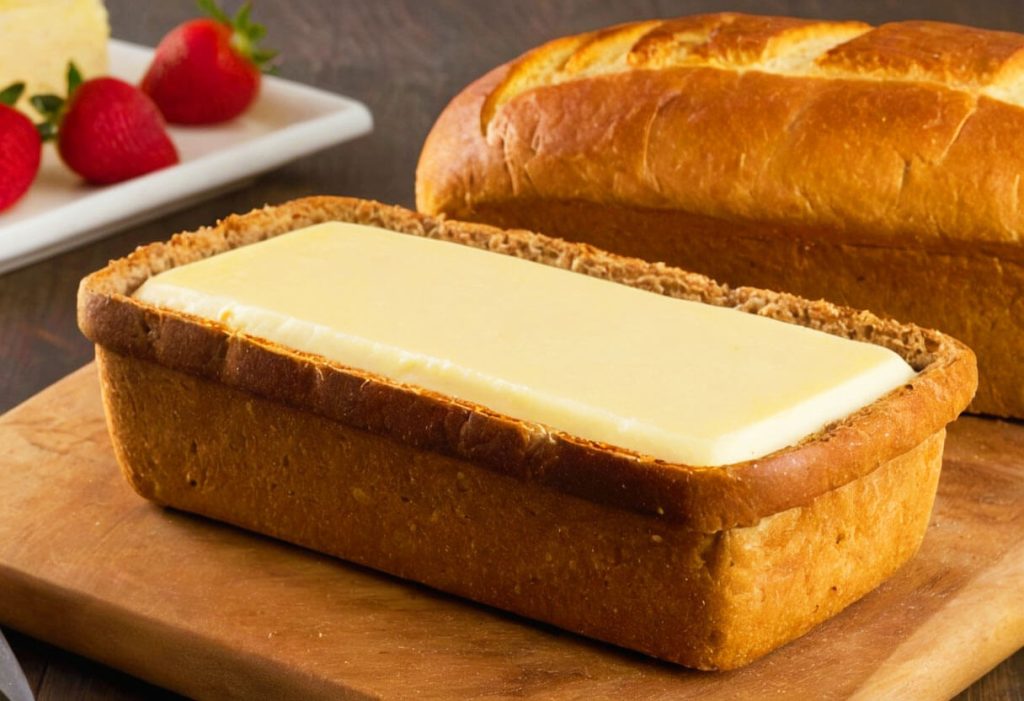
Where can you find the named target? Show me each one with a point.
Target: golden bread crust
(869, 135)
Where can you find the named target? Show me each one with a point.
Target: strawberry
(207, 70)
(107, 130)
(21, 148)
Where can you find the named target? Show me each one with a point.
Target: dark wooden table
(405, 59)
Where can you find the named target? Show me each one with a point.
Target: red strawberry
(207, 70)
(107, 131)
(20, 148)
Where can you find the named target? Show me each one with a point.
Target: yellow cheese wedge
(39, 37)
(676, 380)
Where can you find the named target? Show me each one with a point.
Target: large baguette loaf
(876, 167)
(709, 567)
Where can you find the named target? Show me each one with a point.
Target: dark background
(405, 59)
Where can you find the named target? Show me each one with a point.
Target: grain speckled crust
(709, 567)
(755, 149)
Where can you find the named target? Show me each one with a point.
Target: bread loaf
(875, 167)
(708, 567)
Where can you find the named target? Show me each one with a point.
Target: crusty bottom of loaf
(977, 298)
(704, 600)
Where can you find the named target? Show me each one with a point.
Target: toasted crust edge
(708, 499)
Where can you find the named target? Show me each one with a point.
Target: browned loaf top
(707, 499)
(907, 134)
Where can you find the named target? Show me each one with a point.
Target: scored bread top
(707, 499)
(906, 134)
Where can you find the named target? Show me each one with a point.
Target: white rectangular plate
(288, 121)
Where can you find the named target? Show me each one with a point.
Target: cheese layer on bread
(672, 379)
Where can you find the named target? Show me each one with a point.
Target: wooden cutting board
(215, 612)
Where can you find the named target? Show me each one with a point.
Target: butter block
(39, 37)
(676, 380)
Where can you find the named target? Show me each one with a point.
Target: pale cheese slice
(680, 381)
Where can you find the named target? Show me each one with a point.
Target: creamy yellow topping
(677, 380)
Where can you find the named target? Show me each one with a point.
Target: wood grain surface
(405, 59)
(87, 564)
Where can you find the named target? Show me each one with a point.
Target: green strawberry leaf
(74, 77)
(11, 94)
(47, 105)
(51, 107)
(212, 9)
(242, 18)
(260, 56)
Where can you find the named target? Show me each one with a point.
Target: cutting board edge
(945, 681)
(108, 641)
